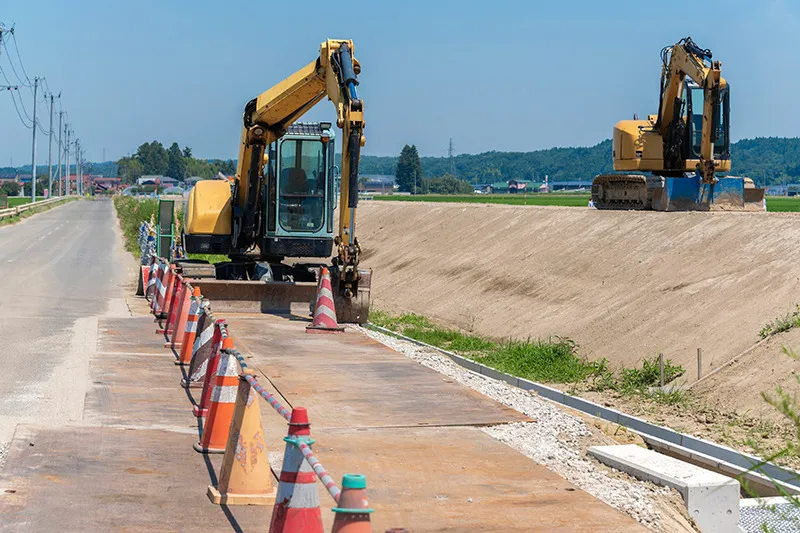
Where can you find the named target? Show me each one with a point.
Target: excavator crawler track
(621, 191)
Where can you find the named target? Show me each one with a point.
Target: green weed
(783, 323)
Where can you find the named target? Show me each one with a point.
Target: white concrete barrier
(711, 499)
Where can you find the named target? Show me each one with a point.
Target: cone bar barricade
(245, 477)
(223, 399)
(181, 316)
(190, 330)
(324, 309)
(212, 363)
(352, 513)
(297, 503)
(201, 349)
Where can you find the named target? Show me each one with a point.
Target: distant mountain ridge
(767, 160)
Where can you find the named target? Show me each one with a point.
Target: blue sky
(500, 75)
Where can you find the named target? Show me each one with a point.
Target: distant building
(102, 184)
(376, 183)
(570, 185)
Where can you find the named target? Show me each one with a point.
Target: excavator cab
(693, 100)
(299, 193)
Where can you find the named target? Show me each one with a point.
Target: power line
(16, 47)
(17, 109)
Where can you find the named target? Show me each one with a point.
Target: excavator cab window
(302, 185)
(695, 99)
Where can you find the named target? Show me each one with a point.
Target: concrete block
(711, 499)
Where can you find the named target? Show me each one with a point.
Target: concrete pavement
(58, 271)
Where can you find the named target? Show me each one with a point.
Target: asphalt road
(58, 271)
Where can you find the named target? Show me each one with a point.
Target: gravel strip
(553, 440)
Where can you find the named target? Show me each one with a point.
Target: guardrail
(15, 211)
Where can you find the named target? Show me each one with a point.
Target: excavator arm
(684, 59)
(266, 118)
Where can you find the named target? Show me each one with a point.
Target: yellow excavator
(682, 148)
(281, 203)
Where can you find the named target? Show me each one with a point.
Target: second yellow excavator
(282, 201)
(683, 148)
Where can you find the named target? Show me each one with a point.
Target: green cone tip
(354, 481)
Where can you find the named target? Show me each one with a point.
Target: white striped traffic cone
(297, 503)
(201, 349)
(151, 282)
(190, 331)
(324, 310)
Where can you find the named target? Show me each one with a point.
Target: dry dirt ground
(623, 285)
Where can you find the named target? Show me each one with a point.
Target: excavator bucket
(278, 297)
(690, 194)
(353, 310)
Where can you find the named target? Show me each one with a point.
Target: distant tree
(41, 184)
(176, 165)
(129, 169)
(409, 170)
(447, 184)
(187, 152)
(153, 157)
(9, 188)
(227, 167)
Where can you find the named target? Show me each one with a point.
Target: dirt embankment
(624, 285)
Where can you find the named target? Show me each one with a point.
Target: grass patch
(569, 200)
(14, 201)
(552, 360)
(132, 212)
(784, 204)
(783, 323)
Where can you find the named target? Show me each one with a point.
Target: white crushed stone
(553, 440)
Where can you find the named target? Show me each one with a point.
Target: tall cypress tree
(409, 169)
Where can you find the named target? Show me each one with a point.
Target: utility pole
(58, 172)
(66, 154)
(78, 167)
(33, 150)
(450, 154)
(50, 150)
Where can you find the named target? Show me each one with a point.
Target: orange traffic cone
(190, 329)
(297, 503)
(173, 305)
(352, 513)
(172, 296)
(324, 310)
(223, 398)
(245, 477)
(181, 317)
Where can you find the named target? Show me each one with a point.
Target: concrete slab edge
(723, 455)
